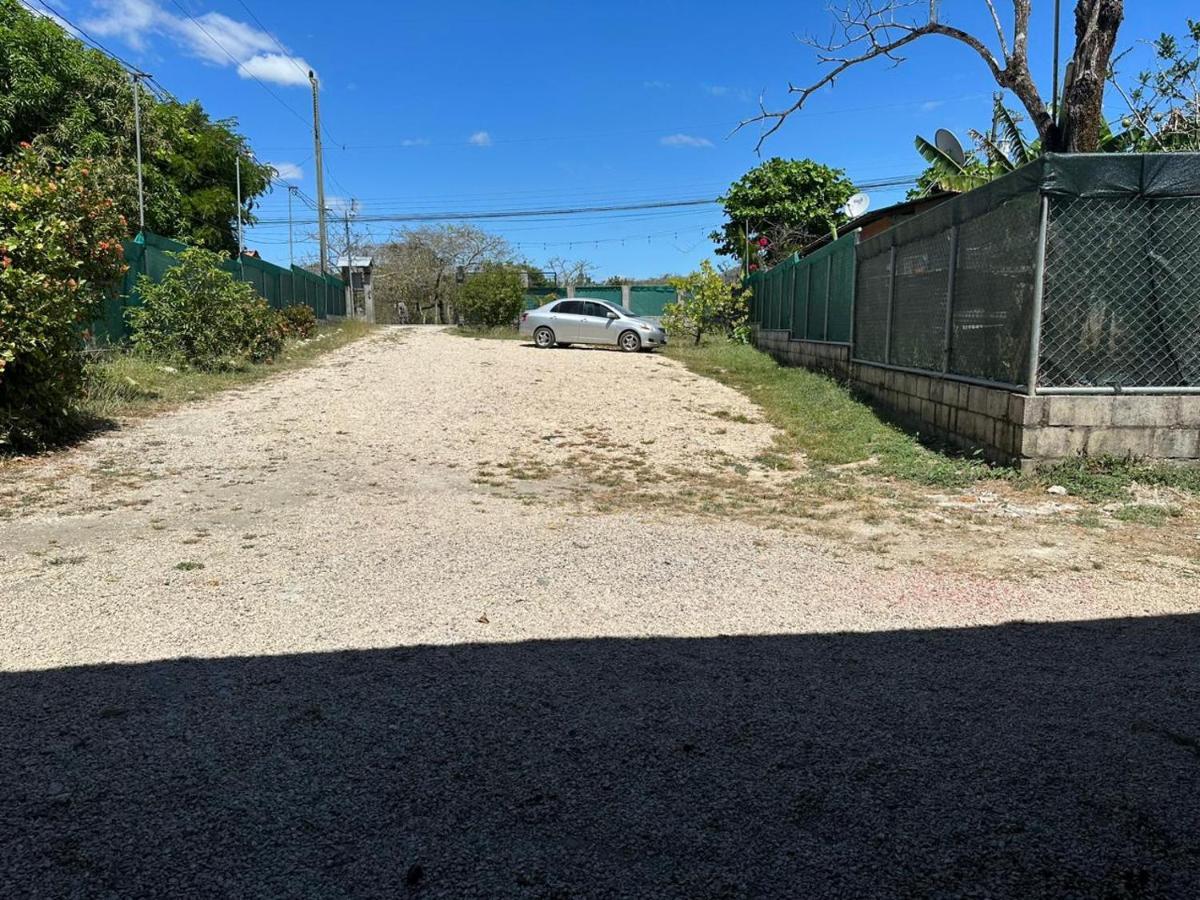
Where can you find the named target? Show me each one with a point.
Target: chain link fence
(1122, 294)
(1096, 258)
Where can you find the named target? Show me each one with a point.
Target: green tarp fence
(650, 299)
(152, 255)
(644, 299)
(810, 297)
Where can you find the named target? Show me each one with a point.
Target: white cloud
(480, 139)
(685, 140)
(212, 37)
(931, 105)
(276, 68)
(415, 142)
(288, 171)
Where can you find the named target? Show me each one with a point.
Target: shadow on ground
(1023, 760)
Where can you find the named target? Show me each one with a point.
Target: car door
(564, 320)
(595, 325)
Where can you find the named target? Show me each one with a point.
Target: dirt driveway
(364, 630)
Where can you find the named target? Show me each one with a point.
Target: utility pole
(291, 251)
(137, 137)
(324, 240)
(237, 168)
(350, 309)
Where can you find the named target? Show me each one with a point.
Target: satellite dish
(945, 141)
(857, 205)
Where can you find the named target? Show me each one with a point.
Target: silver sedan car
(583, 321)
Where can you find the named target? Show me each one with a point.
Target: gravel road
(290, 642)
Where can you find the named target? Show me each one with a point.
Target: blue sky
(529, 103)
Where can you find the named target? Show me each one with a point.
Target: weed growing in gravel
(188, 566)
(1110, 477)
(1147, 514)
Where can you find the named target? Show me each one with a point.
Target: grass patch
(503, 333)
(124, 384)
(1103, 478)
(823, 420)
(1147, 514)
(188, 566)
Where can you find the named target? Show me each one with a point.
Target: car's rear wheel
(543, 338)
(629, 342)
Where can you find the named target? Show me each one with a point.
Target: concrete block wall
(1006, 427)
(819, 356)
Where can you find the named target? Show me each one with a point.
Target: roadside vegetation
(123, 385)
(823, 420)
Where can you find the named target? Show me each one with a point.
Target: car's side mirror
(613, 315)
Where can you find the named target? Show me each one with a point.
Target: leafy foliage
(60, 247)
(201, 315)
(1164, 101)
(493, 297)
(57, 93)
(784, 205)
(707, 303)
(416, 271)
(298, 322)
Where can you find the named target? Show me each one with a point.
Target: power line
(87, 38)
(238, 63)
(526, 213)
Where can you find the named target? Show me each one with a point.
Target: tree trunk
(1096, 26)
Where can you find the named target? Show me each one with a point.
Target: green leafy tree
(493, 297)
(60, 248)
(199, 314)
(779, 207)
(707, 304)
(57, 93)
(1164, 100)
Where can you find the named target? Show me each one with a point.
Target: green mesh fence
(152, 255)
(650, 299)
(810, 297)
(599, 292)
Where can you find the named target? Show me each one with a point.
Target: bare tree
(417, 267)
(570, 271)
(873, 29)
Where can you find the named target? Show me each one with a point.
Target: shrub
(298, 322)
(492, 297)
(707, 303)
(60, 248)
(201, 315)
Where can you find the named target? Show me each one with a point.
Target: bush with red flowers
(60, 249)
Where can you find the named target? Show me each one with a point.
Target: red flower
(762, 242)
(753, 267)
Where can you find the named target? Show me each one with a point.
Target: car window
(599, 310)
(569, 307)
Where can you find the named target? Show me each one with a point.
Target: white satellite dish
(945, 141)
(857, 205)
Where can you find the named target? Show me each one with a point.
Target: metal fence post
(828, 293)
(1039, 283)
(952, 271)
(887, 334)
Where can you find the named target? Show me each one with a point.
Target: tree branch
(870, 30)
